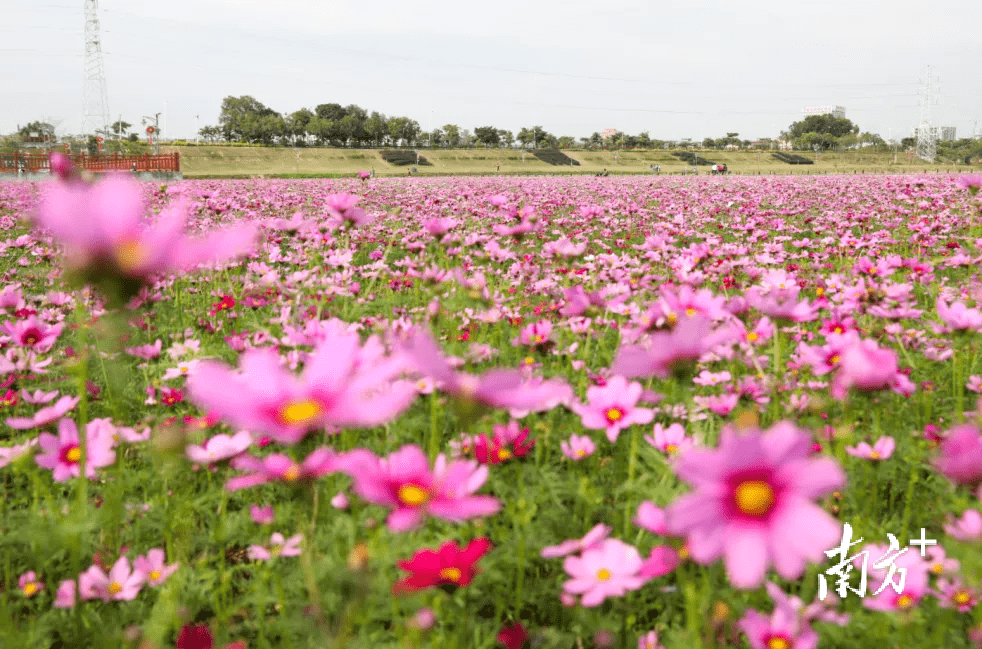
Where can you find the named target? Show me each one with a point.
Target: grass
(223, 161)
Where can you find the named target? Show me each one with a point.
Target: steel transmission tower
(95, 101)
(927, 135)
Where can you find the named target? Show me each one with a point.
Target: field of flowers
(578, 412)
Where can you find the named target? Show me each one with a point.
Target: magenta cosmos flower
(154, 566)
(881, 450)
(961, 455)
(278, 547)
(668, 352)
(45, 415)
(63, 455)
(613, 407)
(281, 468)
(752, 504)
(404, 482)
(106, 233)
(219, 447)
(33, 333)
(608, 570)
(342, 383)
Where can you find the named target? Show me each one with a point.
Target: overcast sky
(687, 69)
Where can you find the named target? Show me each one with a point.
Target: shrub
(403, 157)
(554, 157)
(691, 158)
(792, 159)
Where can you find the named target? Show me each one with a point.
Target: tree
(524, 137)
(435, 137)
(908, 142)
(43, 131)
(119, 128)
(487, 135)
(708, 143)
(644, 140)
(566, 141)
(452, 134)
(506, 138)
(241, 119)
(296, 125)
(333, 112)
(732, 135)
(823, 125)
(377, 128)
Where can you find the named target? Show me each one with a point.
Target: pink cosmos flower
(961, 455)
(668, 352)
(752, 504)
(29, 584)
(592, 539)
(106, 233)
(281, 468)
(881, 450)
(939, 563)
(866, 366)
(610, 570)
(33, 333)
(62, 454)
(279, 547)
(971, 182)
(958, 317)
(343, 383)
(820, 609)
(218, 448)
(38, 397)
(154, 567)
(968, 527)
(956, 594)
(671, 441)
(44, 416)
(404, 482)
(536, 335)
(613, 407)
(10, 454)
(652, 518)
(662, 560)
(121, 584)
(578, 447)
(784, 629)
(343, 207)
(65, 595)
(146, 352)
(496, 388)
(261, 515)
(649, 641)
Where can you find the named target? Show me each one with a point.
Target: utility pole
(95, 101)
(196, 129)
(156, 130)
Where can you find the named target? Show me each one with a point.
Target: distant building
(942, 133)
(834, 111)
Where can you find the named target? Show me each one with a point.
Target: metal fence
(41, 162)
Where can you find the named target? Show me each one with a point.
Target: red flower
(507, 442)
(448, 567)
(227, 302)
(199, 637)
(514, 637)
(171, 397)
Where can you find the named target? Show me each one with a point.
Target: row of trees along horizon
(246, 120)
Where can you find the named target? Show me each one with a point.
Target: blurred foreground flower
(449, 567)
(109, 241)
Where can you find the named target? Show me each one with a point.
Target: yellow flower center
(690, 312)
(504, 454)
(184, 370)
(672, 318)
(684, 553)
(413, 495)
(154, 575)
(529, 360)
(131, 255)
(603, 574)
(30, 588)
(905, 602)
(300, 412)
(74, 455)
(614, 414)
(292, 474)
(819, 291)
(838, 329)
(450, 574)
(580, 453)
(937, 569)
(537, 338)
(752, 336)
(962, 598)
(421, 385)
(671, 448)
(777, 642)
(275, 550)
(834, 360)
(115, 588)
(754, 497)
(874, 455)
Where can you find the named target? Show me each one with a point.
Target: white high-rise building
(941, 133)
(834, 111)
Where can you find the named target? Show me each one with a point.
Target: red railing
(40, 162)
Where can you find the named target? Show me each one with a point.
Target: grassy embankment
(224, 161)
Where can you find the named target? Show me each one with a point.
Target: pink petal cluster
(613, 407)
(403, 481)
